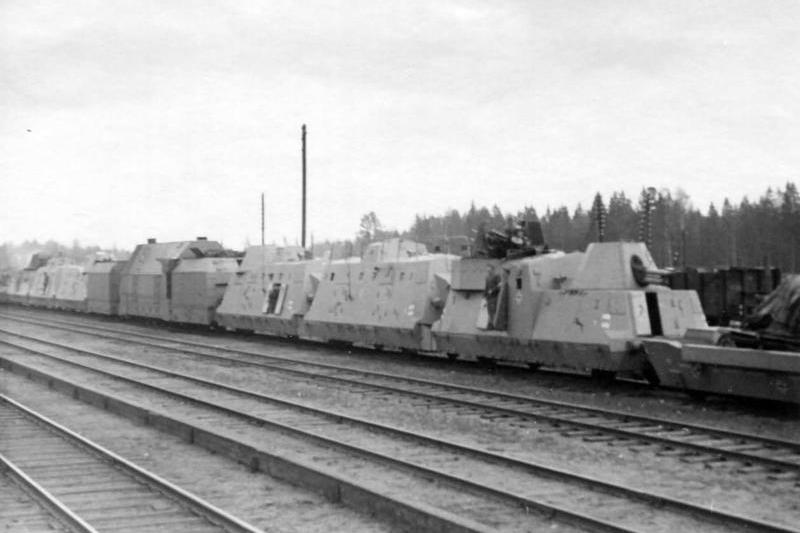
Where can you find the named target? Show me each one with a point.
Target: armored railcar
(7, 278)
(604, 310)
(272, 297)
(102, 286)
(388, 299)
(198, 285)
(19, 290)
(19, 286)
(581, 311)
(69, 288)
(42, 288)
(146, 280)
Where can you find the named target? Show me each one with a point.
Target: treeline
(764, 232)
(750, 233)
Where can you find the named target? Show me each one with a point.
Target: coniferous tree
(749, 233)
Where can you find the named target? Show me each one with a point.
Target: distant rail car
(146, 281)
(102, 286)
(729, 294)
(198, 285)
(607, 311)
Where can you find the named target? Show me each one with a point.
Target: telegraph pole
(263, 249)
(303, 232)
(262, 219)
(683, 244)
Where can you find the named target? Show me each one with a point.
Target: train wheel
(486, 362)
(339, 343)
(452, 356)
(726, 339)
(651, 375)
(533, 367)
(603, 377)
(697, 395)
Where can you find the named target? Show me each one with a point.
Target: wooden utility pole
(303, 232)
(683, 245)
(262, 219)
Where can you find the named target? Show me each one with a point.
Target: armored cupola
(617, 265)
(393, 250)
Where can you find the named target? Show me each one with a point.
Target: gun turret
(518, 239)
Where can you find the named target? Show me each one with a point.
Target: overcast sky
(126, 120)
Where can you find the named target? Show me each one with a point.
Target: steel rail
(42, 496)
(525, 504)
(719, 517)
(433, 519)
(651, 423)
(195, 503)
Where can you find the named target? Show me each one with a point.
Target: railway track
(27, 507)
(696, 443)
(573, 499)
(86, 488)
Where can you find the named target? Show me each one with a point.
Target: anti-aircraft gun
(521, 238)
(518, 239)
